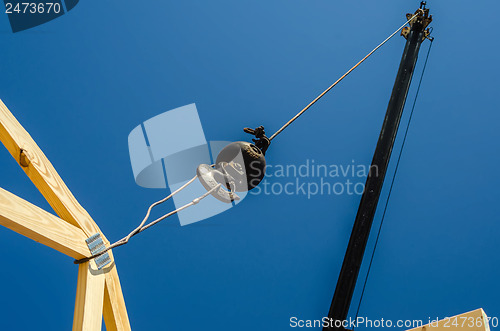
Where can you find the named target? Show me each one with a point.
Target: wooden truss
(99, 293)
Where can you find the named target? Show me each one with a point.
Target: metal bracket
(262, 142)
(406, 31)
(422, 17)
(96, 245)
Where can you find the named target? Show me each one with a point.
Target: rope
(340, 79)
(394, 177)
(143, 227)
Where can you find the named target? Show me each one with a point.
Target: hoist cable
(340, 79)
(143, 227)
(394, 177)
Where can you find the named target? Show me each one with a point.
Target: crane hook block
(239, 167)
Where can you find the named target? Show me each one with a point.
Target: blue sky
(81, 83)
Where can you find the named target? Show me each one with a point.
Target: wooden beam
(41, 172)
(37, 224)
(115, 311)
(475, 320)
(89, 298)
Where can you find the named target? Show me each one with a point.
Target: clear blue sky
(81, 83)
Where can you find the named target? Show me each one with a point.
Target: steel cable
(340, 79)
